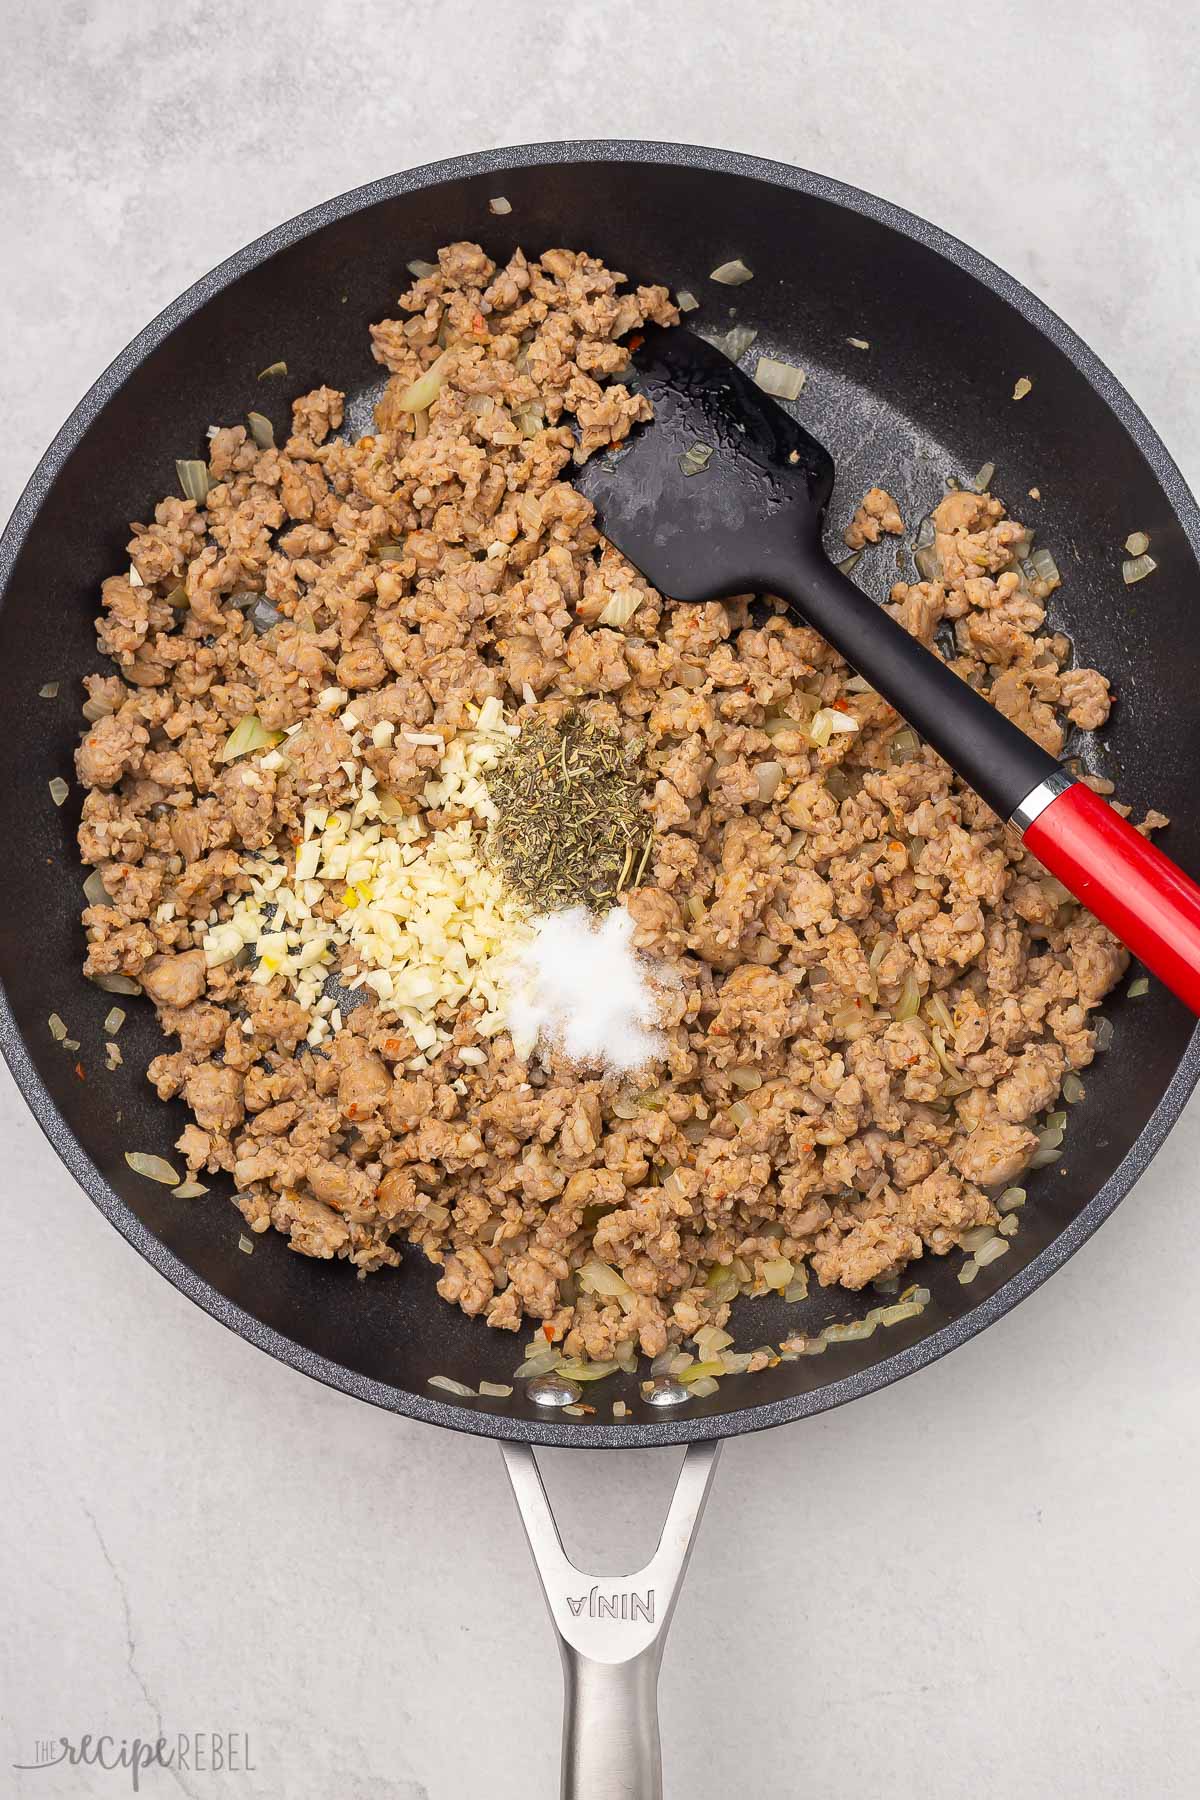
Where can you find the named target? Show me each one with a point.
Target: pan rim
(552, 1432)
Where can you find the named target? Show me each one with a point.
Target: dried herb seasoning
(570, 828)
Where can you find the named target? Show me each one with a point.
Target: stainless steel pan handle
(611, 1632)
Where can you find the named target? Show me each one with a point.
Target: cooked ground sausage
(877, 989)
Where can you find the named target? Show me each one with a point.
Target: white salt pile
(580, 988)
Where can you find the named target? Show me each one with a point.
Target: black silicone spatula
(747, 518)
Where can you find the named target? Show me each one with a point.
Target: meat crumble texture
(872, 991)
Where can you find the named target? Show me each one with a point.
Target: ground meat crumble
(804, 1111)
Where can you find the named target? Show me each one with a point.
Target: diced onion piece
(859, 343)
(261, 430)
(733, 343)
(768, 775)
(114, 1018)
(850, 1333)
(1056, 1121)
(58, 1030)
(778, 378)
(49, 692)
(1136, 568)
(245, 1245)
(1011, 1200)
(983, 477)
(450, 1386)
(496, 1390)
(94, 890)
(621, 608)
(275, 368)
(909, 1002)
(695, 459)
(1009, 1225)
(58, 790)
(991, 1252)
(1043, 565)
(587, 1371)
(596, 1277)
(250, 734)
(153, 1167)
(1041, 1159)
(696, 1371)
(116, 984)
(849, 563)
(968, 1272)
(426, 388)
(189, 1190)
(746, 1079)
(828, 721)
(1072, 1089)
(778, 1271)
(710, 1339)
(541, 1363)
(1024, 386)
(704, 1386)
(905, 745)
(972, 1240)
(926, 558)
(686, 301)
(499, 205)
(1139, 987)
(1105, 1032)
(1137, 543)
(939, 1012)
(732, 274)
(903, 1309)
(721, 1282)
(740, 1113)
(420, 269)
(193, 478)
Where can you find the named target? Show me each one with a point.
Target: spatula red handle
(1130, 886)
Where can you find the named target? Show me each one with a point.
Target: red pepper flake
(841, 706)
(80, 1071)
(548, 1333)
(637, 340)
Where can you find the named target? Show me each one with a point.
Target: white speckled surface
(981, 1582)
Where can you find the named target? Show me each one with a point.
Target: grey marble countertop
(983, 1581)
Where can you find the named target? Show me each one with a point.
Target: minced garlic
(423, 922)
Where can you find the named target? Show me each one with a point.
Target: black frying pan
(949, 335)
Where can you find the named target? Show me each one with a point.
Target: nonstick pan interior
(948, 337)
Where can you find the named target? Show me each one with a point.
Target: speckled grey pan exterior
(949, 334)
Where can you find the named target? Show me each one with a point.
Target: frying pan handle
(611, 1632)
